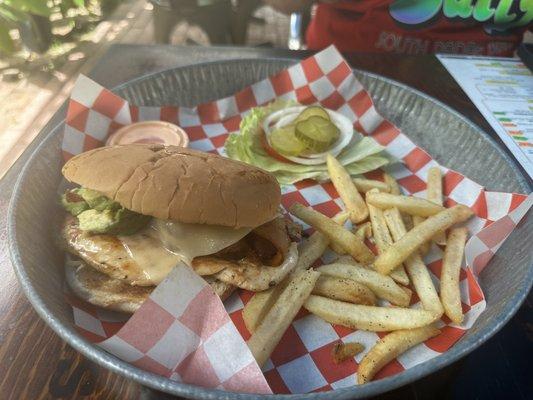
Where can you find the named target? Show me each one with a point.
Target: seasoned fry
(434, 186)
(345, 290)
(383, 286)
(434, 194)
(449, 280)
(344, 351)
(369, 318)
(347, 191)
(407, 221)
(390, 347)
(415, 266)
(394, 187)
(258, 306)
(424, 248)
(340, 219)
(269, 332)
(311, 250)
(409, 205)
(403, 248)
(383, 239)
(379, 228)
(364, 231)
(346, 259)
(364, 185)
(335, 233)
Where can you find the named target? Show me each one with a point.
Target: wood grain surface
(36, 364)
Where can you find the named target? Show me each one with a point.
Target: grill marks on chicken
(255, 262)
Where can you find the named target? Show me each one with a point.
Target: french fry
(409, 205)
(383, 286)
(340, 219)
(346, 259)
(424, 248)
(277, 320)
(364, 231)
(311, 250)
(434, 185)
(335, 233)
(364, 185)
(390, 347)
(411, 241)
(394, 187)
(347, 191)
(368, 318)
(258, 306)
(383, 238)
(345, 351)
(415, 266)
(344, 290)
(407, 221)
(449, 279)
(434, 194)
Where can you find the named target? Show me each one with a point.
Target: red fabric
(370, 26)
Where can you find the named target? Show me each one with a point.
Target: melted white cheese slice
(159, 247)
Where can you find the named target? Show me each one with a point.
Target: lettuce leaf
(363, 154)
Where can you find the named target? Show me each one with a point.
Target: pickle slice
(317, 133)
(312, 111)
(285, 142)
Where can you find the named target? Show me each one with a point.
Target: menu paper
(184, 333)
(502, 90)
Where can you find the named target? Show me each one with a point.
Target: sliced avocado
(74, 207)
(95, 221)
(98, 214)
(96, 200)
(112, 222)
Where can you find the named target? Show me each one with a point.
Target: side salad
(292, 142)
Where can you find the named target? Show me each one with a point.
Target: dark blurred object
(501, 368)
(525, 52)
(108, 6)
(213, 16)
(11, 75)
(36, 33)
(241, 17)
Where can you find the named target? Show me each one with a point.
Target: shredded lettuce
(363, 154)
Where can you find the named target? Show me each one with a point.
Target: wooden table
(35, 363)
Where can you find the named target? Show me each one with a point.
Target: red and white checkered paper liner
(156, 339)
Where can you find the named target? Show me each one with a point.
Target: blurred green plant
(15, 13)
(32, 19)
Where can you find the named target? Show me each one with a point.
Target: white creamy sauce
(161, 245)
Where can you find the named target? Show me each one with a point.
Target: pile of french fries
(361, 290)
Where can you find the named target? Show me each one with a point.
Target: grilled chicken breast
(256, 262)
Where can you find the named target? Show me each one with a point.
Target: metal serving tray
(451, 139)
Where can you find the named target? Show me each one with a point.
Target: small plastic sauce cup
(158, 132)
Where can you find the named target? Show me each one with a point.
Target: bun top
(178, 184)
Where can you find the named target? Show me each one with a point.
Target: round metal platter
(449, 137)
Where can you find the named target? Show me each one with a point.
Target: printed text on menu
(502, 90)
